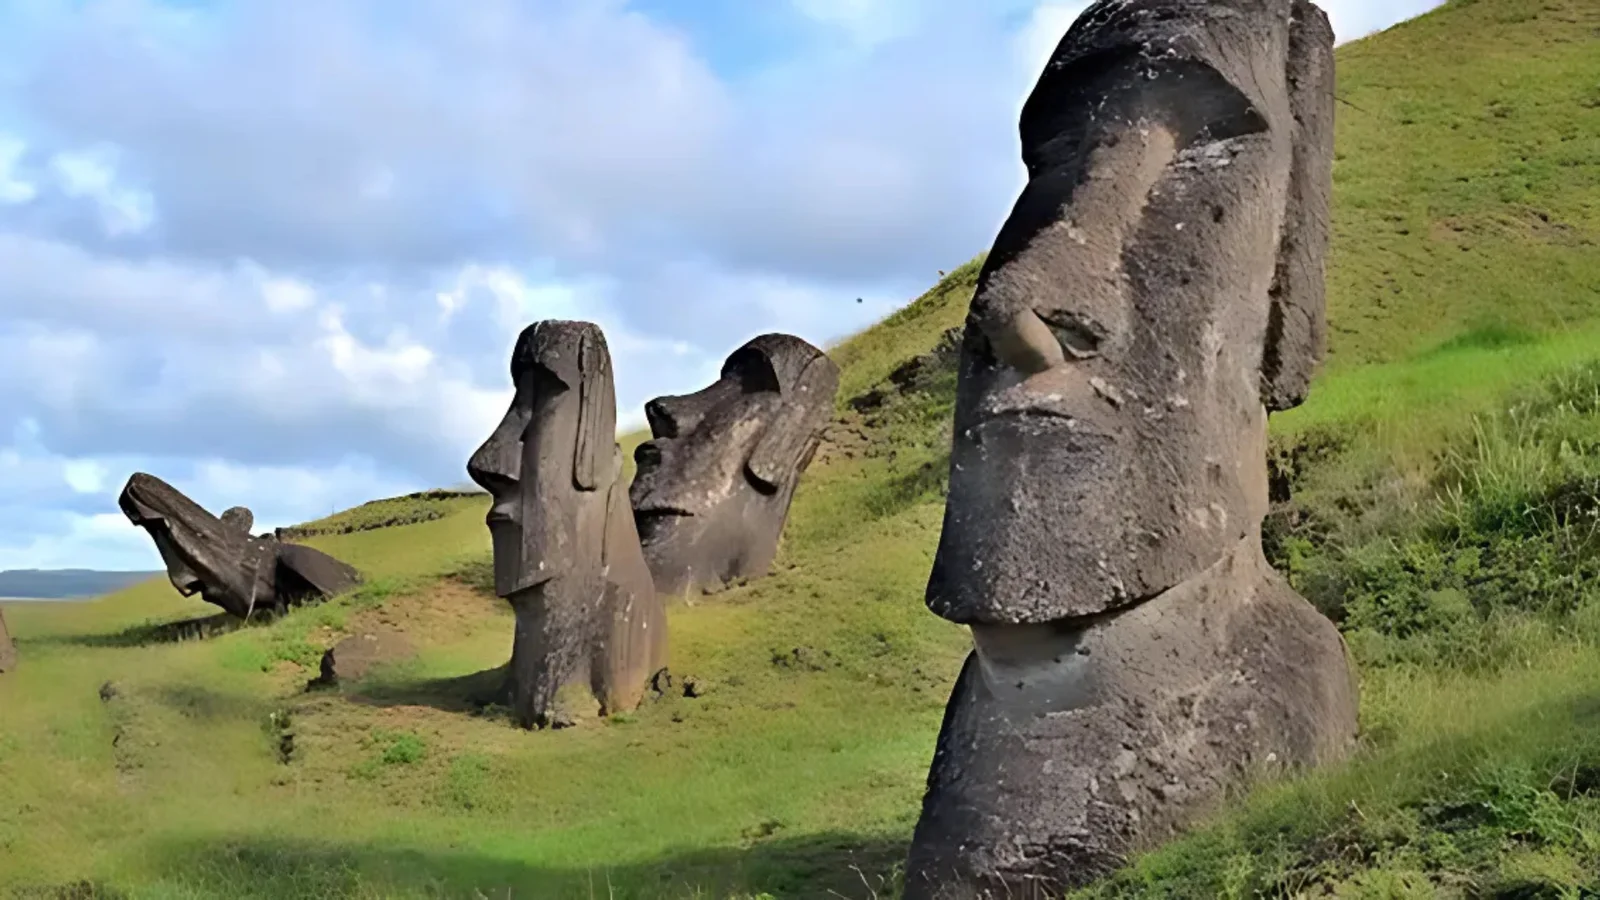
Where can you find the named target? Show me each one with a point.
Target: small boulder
(695, 687)
(353, 657)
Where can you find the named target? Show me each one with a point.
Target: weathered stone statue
(8, 650)
(1156, 291)
(713, 487)
(219, 558)
(566, 552)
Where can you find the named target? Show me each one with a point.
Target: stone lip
(217, 557)
(714, 483)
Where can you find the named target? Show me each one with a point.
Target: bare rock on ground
(352, 658)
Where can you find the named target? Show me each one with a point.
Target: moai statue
(1156, 291)
(566, 552)
(713, 487)
(8, 650)
(219, 559)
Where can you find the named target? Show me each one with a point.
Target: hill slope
(1449, 540)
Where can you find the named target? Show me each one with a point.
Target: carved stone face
(1156, 290)
(214, 557)
(1111, 413)
(554, 448)
(714, 484)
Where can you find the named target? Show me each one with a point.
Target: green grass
(1434, 513)
(425, 506)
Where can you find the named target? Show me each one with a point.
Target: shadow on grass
(473, 693)
(831, 865)
(152, 633)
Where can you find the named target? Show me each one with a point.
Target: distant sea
(23, 585)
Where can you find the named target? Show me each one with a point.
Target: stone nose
(496, 465)
(1025, 343)
(666, 416)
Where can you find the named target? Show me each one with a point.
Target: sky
(277, 252)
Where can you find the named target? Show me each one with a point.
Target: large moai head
(548, 465)
(218, 558)
(714, 484)
(1155, 291)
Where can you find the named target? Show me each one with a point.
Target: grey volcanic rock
(219, 559)
(8, 650)
(566, 551)
(714, 485)
(1156, 291)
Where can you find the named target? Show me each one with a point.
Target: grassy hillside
(1442, 488)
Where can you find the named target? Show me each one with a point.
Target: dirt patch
(442, 612)
(352, 658)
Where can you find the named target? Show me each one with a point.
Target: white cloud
(14, 189)
(867, 22)
(374, 371)
(287, 294)
(92, 174)
(85, 476)
(101, 540)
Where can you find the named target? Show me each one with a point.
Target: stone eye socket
(1079, 339)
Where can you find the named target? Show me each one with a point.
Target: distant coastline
(31, 585)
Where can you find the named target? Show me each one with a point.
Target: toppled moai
(8, 650)
(713, 486)
(218, 557)
(1156, 291)
(566, 552)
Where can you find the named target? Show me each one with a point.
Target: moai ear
(1297, 319)
(239, 518)
(793, 435)
(597, 413)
